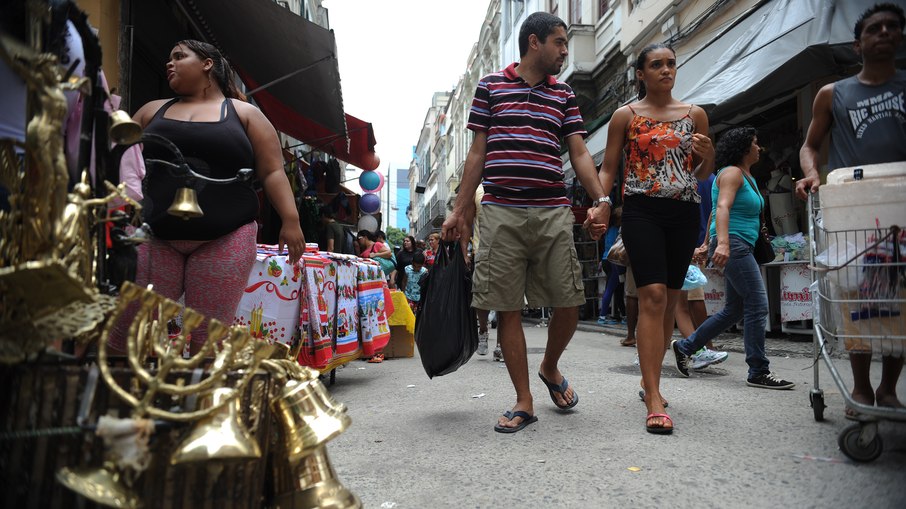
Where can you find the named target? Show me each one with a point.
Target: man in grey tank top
(866, 117)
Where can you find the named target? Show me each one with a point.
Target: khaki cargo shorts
(526, 252)
(629, 289)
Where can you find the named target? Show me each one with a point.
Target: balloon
(367, 222)
(370, 161)
(370, 203)
(371, 181)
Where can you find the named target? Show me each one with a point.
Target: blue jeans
(747, 299)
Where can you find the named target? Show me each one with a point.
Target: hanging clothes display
(270, 303)
(319, 289)
(375, 331)
(347, 345)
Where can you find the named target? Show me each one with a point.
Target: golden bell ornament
(309, 418)
(102, 485)
(220, 436)
(185, 205)
(314, 484)
(123, 130)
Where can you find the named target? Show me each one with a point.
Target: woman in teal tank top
(735, 221)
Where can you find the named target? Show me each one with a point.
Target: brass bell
(185, 205)
(123, 130)
(313, 484)
(102, 485)
(219, 436)
(309, 418)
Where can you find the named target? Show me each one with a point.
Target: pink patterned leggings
(211, 273)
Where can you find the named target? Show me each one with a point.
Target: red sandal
(659, 430)
(376, 358)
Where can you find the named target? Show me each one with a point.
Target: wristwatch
(603, 199)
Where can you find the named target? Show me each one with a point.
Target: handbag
(388, 265)
(617, 254)
(763, 252)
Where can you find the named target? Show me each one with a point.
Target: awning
(295, 61)
(781, 47)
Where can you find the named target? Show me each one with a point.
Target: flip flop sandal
(627, 343)
(561, 389)
(526, 420)
(658, 430)
(642, 395)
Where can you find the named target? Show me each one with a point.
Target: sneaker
(680, 360)
(769, 381)
(498, 353)
(705, 357)
(482, 343)
(605, 320)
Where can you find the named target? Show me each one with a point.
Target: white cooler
(877, 200)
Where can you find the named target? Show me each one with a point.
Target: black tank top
(214, 149)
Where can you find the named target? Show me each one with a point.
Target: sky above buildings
(394, 54)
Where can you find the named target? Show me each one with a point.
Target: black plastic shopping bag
(445, 329)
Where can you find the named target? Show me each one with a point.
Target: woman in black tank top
(218, 134)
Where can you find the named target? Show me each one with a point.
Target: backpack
(348, 246)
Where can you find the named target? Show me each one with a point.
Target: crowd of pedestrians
(685, 201)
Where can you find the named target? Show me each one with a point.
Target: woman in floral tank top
(664, 147)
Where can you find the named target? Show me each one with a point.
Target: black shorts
(660, 235)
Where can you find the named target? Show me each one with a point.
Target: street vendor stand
(328, 307)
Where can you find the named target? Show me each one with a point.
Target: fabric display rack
(332, 308)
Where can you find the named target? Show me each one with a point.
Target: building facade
(399, 207)
(428, 162)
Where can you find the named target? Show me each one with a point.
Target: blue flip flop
(526, 420)
(552, 388)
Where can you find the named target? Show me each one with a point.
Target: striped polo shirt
(525, 124)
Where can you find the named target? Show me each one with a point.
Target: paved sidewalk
(776, 343)
(428, 443)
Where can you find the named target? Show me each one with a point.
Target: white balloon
(368, 222)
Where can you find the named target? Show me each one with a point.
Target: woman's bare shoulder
(148, 110)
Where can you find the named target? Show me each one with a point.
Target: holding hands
(597, 220)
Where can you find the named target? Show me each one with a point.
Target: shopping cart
(860, 306)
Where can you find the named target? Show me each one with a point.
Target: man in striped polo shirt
(518, 117)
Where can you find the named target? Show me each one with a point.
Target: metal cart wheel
(861, 442)
(816, 398)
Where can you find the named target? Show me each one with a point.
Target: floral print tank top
(658, 158)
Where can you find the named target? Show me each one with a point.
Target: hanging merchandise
(370, 203)
(332, 177)
(368, 222)
(371, 181)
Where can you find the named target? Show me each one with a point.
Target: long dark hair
(221, 70)
(411, 243)
(733, 145)
(643, 56)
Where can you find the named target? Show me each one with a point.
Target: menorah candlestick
(231, 356)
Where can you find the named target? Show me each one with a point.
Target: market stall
(329, 307)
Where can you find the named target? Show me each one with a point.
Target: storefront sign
(795, 297)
